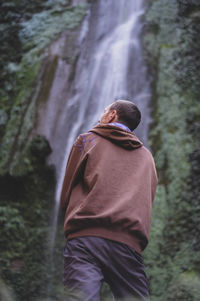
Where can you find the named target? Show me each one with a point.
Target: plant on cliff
(172, 43)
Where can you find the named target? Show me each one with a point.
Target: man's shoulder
(85, 139)
(147, 155)
(146, 152)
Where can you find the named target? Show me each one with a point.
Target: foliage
(27, 184)
(171, 41)
(24, 218)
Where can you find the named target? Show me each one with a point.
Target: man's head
(122, 111)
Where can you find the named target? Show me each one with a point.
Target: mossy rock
(171, 42)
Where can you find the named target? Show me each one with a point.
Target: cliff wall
(171, 40)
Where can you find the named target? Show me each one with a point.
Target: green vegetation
(35, 28)
(27, 183)
(26, 203)
(171, 42)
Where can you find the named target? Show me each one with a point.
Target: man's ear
(113, 116)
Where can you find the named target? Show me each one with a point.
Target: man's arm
(72, 172)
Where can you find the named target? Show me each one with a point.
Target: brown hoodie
(109, 187)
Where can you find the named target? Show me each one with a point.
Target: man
(107, 193)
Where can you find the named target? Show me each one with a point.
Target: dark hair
(127, 112)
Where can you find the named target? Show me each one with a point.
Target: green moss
(36, 33)
(15, 126)
(41, 28)
(174, 249)
(27, 184)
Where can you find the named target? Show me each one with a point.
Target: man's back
(113, 188)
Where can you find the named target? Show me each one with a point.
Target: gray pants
(88, 261)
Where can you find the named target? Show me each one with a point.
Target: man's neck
(121, 125)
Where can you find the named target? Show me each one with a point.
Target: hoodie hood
(117, 135)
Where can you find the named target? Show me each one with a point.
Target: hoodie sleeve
(72, 172)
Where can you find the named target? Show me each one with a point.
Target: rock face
(172, 50)
(24, 72)
(27, 183)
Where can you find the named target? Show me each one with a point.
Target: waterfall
(109, 66)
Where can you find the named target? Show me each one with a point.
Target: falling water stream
(110, 65)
